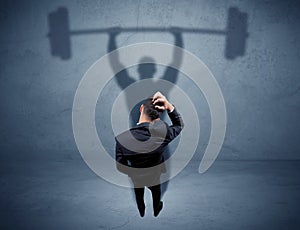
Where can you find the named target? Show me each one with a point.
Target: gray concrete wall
(261, 88)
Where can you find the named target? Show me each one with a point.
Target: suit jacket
(143, 145)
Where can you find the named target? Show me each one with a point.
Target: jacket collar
(143, 124)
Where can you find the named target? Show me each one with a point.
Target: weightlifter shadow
(146, 70)
(60, 45)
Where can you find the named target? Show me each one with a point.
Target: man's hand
(162, 102)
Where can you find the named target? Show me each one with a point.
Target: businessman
(139, 151)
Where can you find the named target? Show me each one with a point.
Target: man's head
(148, 109)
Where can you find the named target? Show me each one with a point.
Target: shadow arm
(171, 74)
(122, 77)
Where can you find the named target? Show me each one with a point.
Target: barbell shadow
(235, 43)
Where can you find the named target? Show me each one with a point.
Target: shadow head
(146, 68)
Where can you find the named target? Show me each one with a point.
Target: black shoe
(142, 211)
(158, 209)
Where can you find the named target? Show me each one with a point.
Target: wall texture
(254, 184)
(261, 88)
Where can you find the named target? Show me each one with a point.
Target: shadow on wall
(146, 70)
(235, 43)
(237, 25)
(60, 43)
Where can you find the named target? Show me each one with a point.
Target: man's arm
(177, 122)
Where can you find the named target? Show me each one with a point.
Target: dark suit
(142, 147)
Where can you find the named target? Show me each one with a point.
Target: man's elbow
(181, 123)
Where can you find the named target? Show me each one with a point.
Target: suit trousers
(140, 182)
(156, 195)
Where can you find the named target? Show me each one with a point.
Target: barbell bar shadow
(235, 32)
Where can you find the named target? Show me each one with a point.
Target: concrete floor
(231, 195)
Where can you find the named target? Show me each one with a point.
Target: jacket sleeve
(177, 125)
(121, 162)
